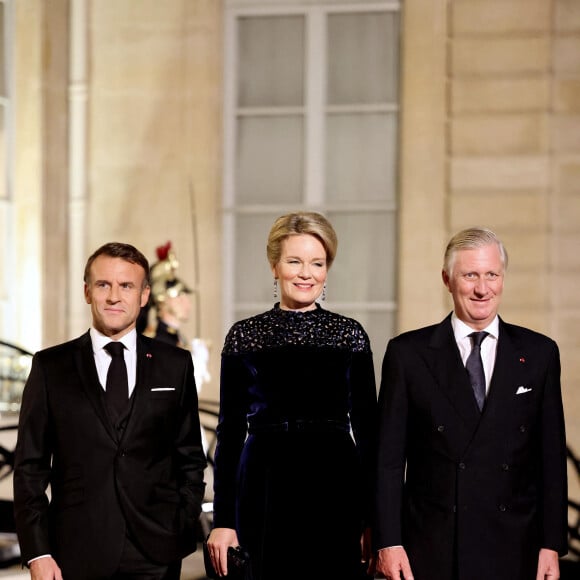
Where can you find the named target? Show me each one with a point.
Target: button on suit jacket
(145, 477)
(471, 495)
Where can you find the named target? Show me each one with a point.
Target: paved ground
(193, 568)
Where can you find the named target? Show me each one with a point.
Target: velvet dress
(296, 442)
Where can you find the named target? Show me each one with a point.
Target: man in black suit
(125, 488)
(465, 493)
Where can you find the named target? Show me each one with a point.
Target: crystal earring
(275, 288)
(324, 292)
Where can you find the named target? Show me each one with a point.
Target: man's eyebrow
(122, 283)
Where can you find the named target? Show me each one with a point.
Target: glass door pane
(271, 61)
(363, 58)
(361, 154)
(270, 159)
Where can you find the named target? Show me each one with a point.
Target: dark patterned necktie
(474, 367)
(117, 387)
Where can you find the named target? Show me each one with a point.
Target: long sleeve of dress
(235, 383)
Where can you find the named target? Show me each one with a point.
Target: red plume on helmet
(163, 251)
(165, 283)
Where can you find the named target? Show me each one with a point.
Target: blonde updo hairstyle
(297, 223)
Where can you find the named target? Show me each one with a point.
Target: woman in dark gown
(296, 432)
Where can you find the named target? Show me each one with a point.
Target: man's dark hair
(126, 252)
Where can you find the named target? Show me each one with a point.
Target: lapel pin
(522, 359)
(149, 355)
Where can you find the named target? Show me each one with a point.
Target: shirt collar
(99, 340)
(462, 330)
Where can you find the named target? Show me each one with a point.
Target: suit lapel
(450, 374)
(145, 357)
(507, 371)
(87, 370)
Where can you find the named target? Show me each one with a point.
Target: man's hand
(45, 569)
(392, 562)
(548, 565)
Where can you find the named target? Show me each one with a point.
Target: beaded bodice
(296, 367)
(278, 328)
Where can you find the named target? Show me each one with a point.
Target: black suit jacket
(145, 477)
(471, 496)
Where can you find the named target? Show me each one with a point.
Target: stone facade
(490, 135)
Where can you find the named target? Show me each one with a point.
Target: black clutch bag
(239, 566)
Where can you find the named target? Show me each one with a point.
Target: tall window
(311, 121)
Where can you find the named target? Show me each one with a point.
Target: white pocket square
(162, 389)
(521, 390)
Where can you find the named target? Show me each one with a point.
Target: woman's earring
(324, 292)
(275, 288)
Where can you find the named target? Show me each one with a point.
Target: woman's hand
(218, 542)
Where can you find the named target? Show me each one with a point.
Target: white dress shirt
(103, 358)
(488, 346)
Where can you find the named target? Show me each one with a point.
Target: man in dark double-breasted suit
(126, 482)
(463, 492)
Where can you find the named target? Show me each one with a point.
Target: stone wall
(490, 135)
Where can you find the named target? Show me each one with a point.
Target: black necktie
(117, 387)
(474, 367)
